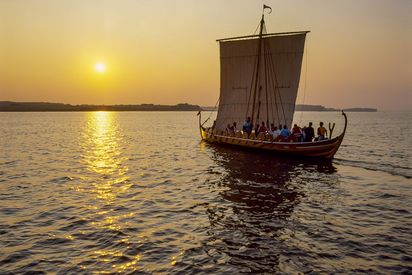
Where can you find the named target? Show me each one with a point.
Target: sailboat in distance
(259, 79)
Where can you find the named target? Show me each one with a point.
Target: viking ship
(259, 78)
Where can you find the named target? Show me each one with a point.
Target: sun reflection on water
(106, 179)
(103, 155)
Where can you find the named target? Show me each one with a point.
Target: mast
(262, 22)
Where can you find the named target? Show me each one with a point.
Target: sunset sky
(359, 52)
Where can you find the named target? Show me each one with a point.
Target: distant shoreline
(10, 106)
(316, 108)
(320, 108)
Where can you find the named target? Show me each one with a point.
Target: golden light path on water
(103, 157)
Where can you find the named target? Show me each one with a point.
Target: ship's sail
(259, 77)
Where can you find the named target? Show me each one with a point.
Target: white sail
(278, 79)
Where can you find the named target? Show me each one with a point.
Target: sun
(100, 67)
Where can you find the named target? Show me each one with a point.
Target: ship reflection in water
(251, 229)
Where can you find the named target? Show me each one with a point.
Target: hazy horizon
(164, 52)
(154, 103)
(191, 103)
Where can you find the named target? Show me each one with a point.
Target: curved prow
(199, 114)
(346, 123)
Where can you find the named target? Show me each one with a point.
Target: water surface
(107, 192)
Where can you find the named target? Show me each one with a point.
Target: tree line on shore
(9, 106)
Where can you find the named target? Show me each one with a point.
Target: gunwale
(320, 149)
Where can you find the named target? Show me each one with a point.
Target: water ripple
(112, 193)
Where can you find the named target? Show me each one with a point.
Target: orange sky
(358, 51)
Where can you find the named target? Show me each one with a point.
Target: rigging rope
(260, 92)
(272, 98)
(251, 83)
(257, 78)
(254, 33)
(278, 90)
(214, 108)
(262, 22)
(266, 83)
(304, 83)
(260, 87)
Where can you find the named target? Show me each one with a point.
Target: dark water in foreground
(136, 192)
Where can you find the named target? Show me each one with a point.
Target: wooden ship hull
(319, 149)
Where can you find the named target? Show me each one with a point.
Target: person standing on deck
(297, 132)
(309, 133)
(322, 132)
(247, 126)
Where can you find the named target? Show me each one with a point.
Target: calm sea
(137, 192)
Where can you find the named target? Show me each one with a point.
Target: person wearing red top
(297, 132)
(262, 128)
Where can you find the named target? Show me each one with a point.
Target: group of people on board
(282, 133)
